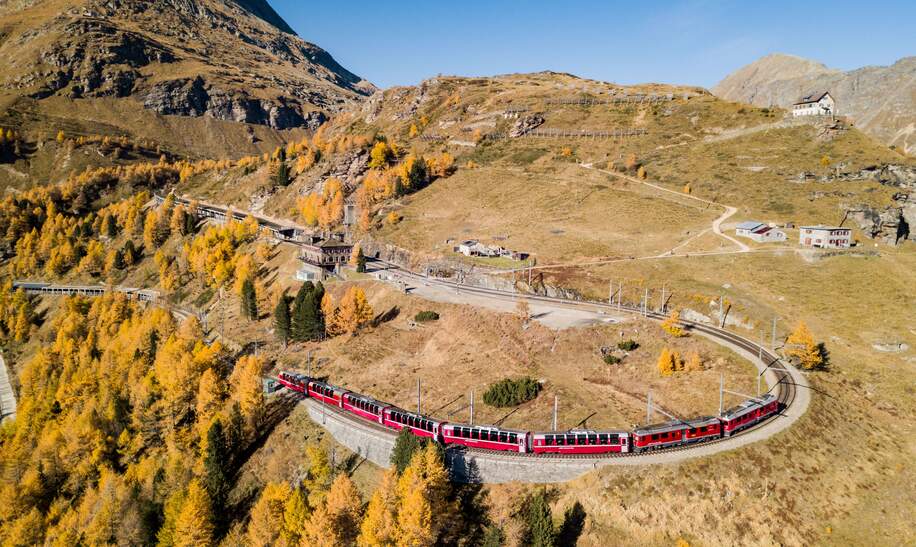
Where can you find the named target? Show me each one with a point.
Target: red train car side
(420, 425)
(748, 413)
(491, 438)
(580, 442)
(326, 393)
(364, 407)
(294, 381)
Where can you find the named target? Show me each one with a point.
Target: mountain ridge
(881, 100)
(233, 60)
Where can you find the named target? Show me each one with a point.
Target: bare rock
(524, 125)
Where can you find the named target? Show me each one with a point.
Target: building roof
(819, 227)
(749, 225)
(812, 98)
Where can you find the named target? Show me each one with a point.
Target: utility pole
(418, 394)
(645, 304)
(649, 407)
(773, 339)
(619, 296)
(662, 305)
(308, 364)
(610, 292)
(472, 407)
(721, 392)
(556, 402)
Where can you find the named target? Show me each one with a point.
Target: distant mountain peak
(881, 100)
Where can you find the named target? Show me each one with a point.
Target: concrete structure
(472, 247)
(825, 237)
(816, 104)
(31, 287)
(310, 272)
(759, 232)
(7, 395)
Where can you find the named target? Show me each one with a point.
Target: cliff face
(231, 60)
(880, 100)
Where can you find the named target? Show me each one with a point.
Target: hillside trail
(716, 224)
(716, 228)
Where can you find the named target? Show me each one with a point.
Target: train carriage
(580, 442)
(488, 437)
(327, 393)
(702, 429)
(364, 407)
(422, 426)
(748, 413)
(659, 435)
(294, 381)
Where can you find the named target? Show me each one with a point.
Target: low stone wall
(358, 436)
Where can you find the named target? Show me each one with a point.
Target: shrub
(426, 315)
(628, 345)
(611, 359)
(510, 392)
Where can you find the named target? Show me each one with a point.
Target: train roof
(355, 395)
(487, 427)
(294, 374)
(583, 432)
(675, 425)
(392, 408)
(748, 405)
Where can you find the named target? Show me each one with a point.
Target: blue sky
(688, 42)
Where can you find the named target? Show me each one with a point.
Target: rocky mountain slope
(880, 100)
(234, 60)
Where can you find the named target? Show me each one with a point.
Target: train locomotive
(653, 437)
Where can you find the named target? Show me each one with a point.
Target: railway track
(784, 385)
(786, 376)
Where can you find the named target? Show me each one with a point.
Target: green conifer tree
(282, 320)
(216, 473)
(249, 300)
(539, 522)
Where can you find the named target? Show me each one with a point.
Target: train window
(475, 434)
(513, 438)
(494, 436)
(548, 440)
(466, 432)
(561, 440)
(602, 438)
(503, 437)
(613, 438)
(580, 439)
(593, 439)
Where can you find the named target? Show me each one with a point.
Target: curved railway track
(787, 379)
(785, 384)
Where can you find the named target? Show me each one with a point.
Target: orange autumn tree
(802, 347)
(353, 312)
(671, 325)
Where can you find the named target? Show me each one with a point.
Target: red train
(665, 435)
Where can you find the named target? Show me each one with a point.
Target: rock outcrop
(893, 223)
(524, 125)
(227, 59)
(880, 100)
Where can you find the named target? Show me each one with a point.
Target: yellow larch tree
(380, 526)
(666, 366)
(353, 313)
(801, 346)
(671, 325)
(247, 389)
(266, 524)
(295, 516)
(194, 525)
